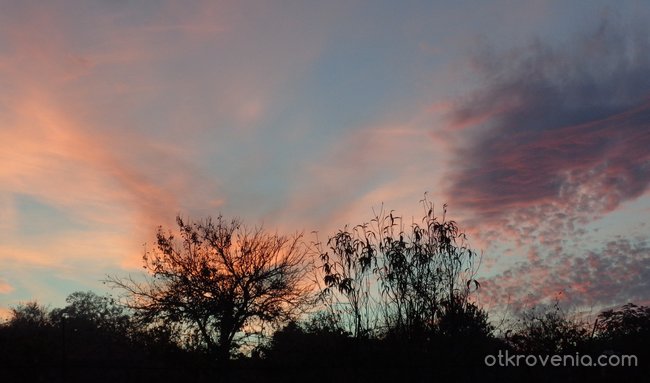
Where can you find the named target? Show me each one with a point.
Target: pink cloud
(618, 272)
(540, 139)
(556, 138)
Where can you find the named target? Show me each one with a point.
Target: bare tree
(219, 283)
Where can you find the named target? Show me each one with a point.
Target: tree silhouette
(397, 304)
(627, 321)
(29, 315)
(549, 330)
(86, 309)
(219, 283)
(625, 330)
(382, 276)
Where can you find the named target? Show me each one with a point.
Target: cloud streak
(120, 126)
(73, 140)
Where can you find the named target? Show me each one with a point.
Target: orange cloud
(5, 288)
(108, 127)
(70, 139)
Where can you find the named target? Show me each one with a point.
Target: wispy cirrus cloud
(75, 149)
(389, 162)
(116, 117)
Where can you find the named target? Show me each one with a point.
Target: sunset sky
(530, 119)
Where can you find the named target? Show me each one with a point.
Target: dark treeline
(384, 301)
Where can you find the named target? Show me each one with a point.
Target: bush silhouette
(382, 276)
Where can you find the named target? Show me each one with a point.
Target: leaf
(477, 285)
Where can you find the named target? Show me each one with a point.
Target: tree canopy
(218, 282)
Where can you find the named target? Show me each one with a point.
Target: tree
(628, 321)
(218, 283)
(87, 309)
(29, 340)
(94, 328)
(625, 330)
(31, 315)
(549, 330)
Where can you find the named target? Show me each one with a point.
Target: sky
(531, 120)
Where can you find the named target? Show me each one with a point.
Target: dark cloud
(557, 128)
(555, 137)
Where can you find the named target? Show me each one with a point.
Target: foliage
(30, 314)
(90, 339)
(464, 319)
(89, 310)
(629, 320)
(383, 275)
(625, 329)
(549, 330)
